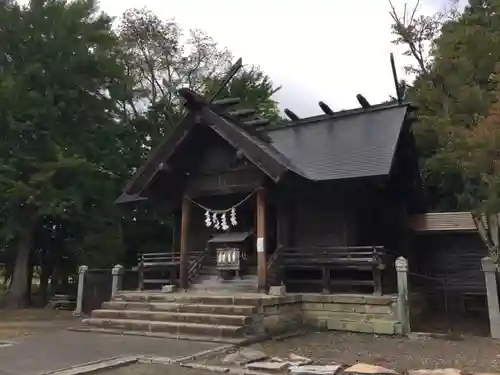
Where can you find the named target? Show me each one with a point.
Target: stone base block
(277, 290)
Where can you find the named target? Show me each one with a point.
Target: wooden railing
(328, 259)
(164, 262)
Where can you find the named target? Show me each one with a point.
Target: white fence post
(403, 300)
(490, 277)
(82, 270)
(116, 285)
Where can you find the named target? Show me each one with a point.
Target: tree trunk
(29, 280)
(8, 275)
(45, 272)
(17, 295)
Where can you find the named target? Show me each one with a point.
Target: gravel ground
(153, 369)
(471, 355)
(18, 323)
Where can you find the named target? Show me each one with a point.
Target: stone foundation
(355, 313)
(279, 314)
(237, 318)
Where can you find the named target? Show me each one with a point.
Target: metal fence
(443, 305)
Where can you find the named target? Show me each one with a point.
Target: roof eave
(125, 198)
(148, 170)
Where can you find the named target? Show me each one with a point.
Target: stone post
(490, 276)
(117, 273)
(82, 270)
(403, 300)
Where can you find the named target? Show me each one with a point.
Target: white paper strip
(260, 244)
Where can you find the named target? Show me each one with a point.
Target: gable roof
(344, 145)
(263, 155)
(347, 144)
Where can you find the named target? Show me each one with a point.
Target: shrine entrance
(232, 231)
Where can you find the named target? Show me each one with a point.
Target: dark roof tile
(358, 144)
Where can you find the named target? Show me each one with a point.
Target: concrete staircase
(180, 315)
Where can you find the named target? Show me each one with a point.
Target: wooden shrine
(324, 199)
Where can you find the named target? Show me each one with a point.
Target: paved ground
(44, 352)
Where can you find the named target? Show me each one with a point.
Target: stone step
(174, 328)
(196, 308)
(226, 285)
(208, 298)
(236, 279)
(245, 340)
(230, 320)
(233, 288)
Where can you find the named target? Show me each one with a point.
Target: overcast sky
(326, 50)
(316, 50)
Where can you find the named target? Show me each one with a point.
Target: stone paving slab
(58, 350)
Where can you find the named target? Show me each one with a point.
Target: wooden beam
(243, 113)
(184, 245)
(226, 102)
(261, 240)
(257, 122)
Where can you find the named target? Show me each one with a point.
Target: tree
(254, 88)
(455, 57)
(80, 107)
(456, 88)
(157, 51)
(160, 58)
(59, 134)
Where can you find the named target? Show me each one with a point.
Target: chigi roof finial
(399, 94)
(292, 116)
(325, 108)
(362, 100)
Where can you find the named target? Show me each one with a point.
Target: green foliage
(454, 89)
(255, 89)
(59, 148)
(81, 106)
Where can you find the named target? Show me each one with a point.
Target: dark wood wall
(326, 221)
(364, 214)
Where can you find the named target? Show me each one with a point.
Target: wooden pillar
(185, 219)
(261, 240)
